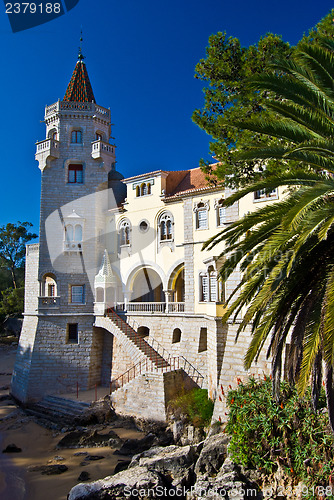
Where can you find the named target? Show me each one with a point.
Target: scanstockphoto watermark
(25, 15)
(164, 492)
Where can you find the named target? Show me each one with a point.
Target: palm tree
(286, 249)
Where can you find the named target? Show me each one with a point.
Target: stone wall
(161, 328)
(147, 396)
(233, 368)
(47, 363)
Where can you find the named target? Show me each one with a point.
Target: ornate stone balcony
(102, 150)
(72, 246)
(48, 302)
(151, 307)
(46, 150)
(77, 108)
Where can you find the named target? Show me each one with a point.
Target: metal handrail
(139, 341)
(143, 366)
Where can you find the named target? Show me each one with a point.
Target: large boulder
(228, 483)
(124, 485)
(174, 463)
(213, 455)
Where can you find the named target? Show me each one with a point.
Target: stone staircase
(58, 410)
(132, 342)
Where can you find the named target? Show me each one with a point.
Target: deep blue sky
(141, 57)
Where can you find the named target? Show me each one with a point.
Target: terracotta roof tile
(193, 180)
(79, 89)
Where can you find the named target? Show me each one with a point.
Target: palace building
(119, 292)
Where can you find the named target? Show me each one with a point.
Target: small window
(98, 136)
(75, 174)
(143, 226)
(51, 290)
(261, 194)
(78, 233)
(205, 293)
(203, 340)
(77, 294)
(76, 137)
(209, 287)
(220, 212)
(166, 227)
(176, 336)
(137, 191)
(72, 333)
(202, 219)
(124, 233)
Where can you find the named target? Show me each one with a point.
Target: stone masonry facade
(117, 256)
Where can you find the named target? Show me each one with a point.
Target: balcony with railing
(72, 246)
(48, 302)
(102, 150)
(150, 307)
(46, 150)
(66, 107)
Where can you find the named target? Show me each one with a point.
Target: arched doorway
(147, 286)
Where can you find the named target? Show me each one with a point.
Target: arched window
(166, 227)
(78, 233)
(76, 137)
(69, 232)
(176, 336)
(49, 286)
(73, 237)
(143, 189)
(148, 188)
(137, 191)
(124, 232)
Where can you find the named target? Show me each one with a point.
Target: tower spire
(79, 89)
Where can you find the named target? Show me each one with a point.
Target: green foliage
(13, 238)
(225, 71)
(12, 302)
(286, 249)
(196, 405)
(266, 433)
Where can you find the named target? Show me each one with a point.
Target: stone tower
(59, 346)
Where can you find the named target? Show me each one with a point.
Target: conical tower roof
(79, 89)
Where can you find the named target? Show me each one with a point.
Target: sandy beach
(38, 444)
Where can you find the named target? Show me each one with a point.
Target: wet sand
(38, 446)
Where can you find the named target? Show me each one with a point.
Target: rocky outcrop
(121, 485)
(82, 439)
(212, 456)
(190, 472)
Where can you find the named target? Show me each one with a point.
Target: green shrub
(196, 405)
(266, 433)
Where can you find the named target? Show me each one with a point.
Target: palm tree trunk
(330, 394)
(316, 380)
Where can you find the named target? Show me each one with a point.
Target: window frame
(75, 167)
(83, 293)
(77, 135)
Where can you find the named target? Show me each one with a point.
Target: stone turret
(59, 347)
